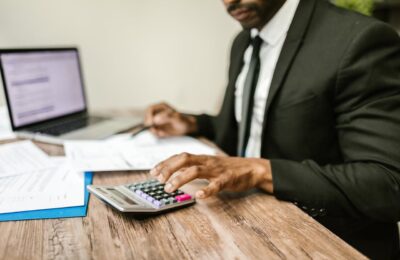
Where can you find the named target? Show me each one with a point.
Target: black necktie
(248, 96)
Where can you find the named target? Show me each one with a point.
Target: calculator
(147, 197)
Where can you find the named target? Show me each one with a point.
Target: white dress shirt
(273, 35)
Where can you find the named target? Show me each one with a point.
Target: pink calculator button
(183, 197)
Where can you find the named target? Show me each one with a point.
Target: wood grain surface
(251, 225)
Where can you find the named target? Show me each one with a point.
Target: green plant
(362, 6)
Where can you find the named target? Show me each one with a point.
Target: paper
(146, 151)
(124, 153)
(5, 126)
(56, 187)
(22, 157)
(95, 156)
(69, 212)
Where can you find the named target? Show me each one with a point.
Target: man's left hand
(223, 173)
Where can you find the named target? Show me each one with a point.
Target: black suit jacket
(332, 123)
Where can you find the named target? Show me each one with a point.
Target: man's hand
(224, 173)
(166, 121)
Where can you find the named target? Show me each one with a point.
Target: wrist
(264, 176)
(192, 124)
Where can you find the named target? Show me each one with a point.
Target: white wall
(134, 52)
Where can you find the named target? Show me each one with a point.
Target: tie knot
(256, 42)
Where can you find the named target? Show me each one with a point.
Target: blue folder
(69, 212)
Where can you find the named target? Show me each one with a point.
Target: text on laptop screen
(42, 85)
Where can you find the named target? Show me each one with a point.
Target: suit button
(314, 213)
(322, 212)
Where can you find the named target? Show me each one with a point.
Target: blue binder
(70, 212)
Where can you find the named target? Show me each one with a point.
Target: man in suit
(312, 114)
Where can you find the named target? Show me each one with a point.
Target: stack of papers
(22, 157)
(122, 152)
(30, 180)
(54, 187)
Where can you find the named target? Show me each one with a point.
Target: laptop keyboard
(69, 126)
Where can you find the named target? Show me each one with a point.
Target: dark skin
(222, 172)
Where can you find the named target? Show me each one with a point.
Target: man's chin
(254, 23)
(248, 26)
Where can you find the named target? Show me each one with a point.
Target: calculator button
(150, 199)
(178, 192)
(183, 197)
(157, 203)
(139, 192)
(166, 201)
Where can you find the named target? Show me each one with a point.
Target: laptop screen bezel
(84, 111)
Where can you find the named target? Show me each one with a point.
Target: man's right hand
(166, 121)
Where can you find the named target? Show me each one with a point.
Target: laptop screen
(42, 85)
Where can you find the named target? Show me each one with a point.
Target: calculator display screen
(121, 196)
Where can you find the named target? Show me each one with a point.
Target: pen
(141, 128)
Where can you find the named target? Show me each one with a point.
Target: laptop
(46, 100)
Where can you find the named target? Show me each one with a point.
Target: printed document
(142, 152)
(55, 187)
(21, 158)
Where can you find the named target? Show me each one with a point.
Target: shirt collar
(279, 25)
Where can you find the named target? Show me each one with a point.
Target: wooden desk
(250, 225)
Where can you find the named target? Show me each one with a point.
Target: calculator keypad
(153, 192)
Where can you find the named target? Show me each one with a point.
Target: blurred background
(135, 53)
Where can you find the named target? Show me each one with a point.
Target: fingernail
(168, 187)
(200, 194)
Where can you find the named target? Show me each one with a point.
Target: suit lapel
(290, 48)
(237, 62)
